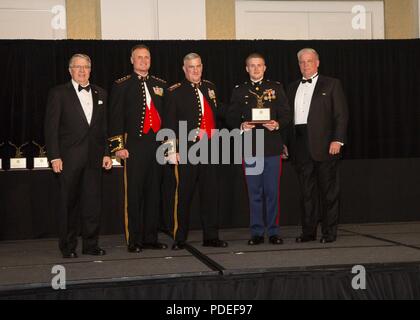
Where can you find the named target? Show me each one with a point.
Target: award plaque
(170, 146)
(18, 162)
(260, 115)
(116, 162)
(41, 162)
(169, 154)
(1, 164)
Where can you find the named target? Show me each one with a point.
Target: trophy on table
(41, 162)
(261, 115)
(18, 162)
(1, 164)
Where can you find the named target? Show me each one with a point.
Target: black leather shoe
(178, 245)
(155, 246)
(302, 239)
(327, 239)
(276, 240)
(255, 240)
(94, 252)
(134, 248)
(70, 255)
(215, 243)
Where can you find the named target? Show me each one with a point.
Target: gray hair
(305, 50)
(79, 55)
(191, 56)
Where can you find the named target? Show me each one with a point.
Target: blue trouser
(263, 187)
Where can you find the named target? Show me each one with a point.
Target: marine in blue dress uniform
(263, 187)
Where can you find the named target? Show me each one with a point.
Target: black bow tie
(87, 88)
(309, 80)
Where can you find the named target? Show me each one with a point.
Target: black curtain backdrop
(380, 78)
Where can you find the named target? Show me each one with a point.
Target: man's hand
(122, 154)
(335, 147)
(271, 125)
(246, 126)
(285, 153)
(57, 165)
(107, 163)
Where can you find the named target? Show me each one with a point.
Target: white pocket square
(100, 102)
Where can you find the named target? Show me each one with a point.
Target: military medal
(212, 95)
(158, 91)
(260, 115)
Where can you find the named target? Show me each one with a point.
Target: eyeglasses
(81, 67)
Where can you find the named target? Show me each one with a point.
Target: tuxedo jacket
(327, 118)
(127, 108)
(243, 100)
(68, 135)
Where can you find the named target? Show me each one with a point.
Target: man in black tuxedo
(320, 117)
(194, 101)
(136, 111)
(76, 139)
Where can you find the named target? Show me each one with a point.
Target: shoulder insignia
(121, 80)
(237, 86)
(173, 87)
(158, 79)
(207, 81)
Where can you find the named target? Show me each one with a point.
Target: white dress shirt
(201, 101)
(148, 96)
(303, 100)
(85, 99)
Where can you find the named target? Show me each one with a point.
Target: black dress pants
(80, 201)
(205, 177)
(320, 189)
(142, 179)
